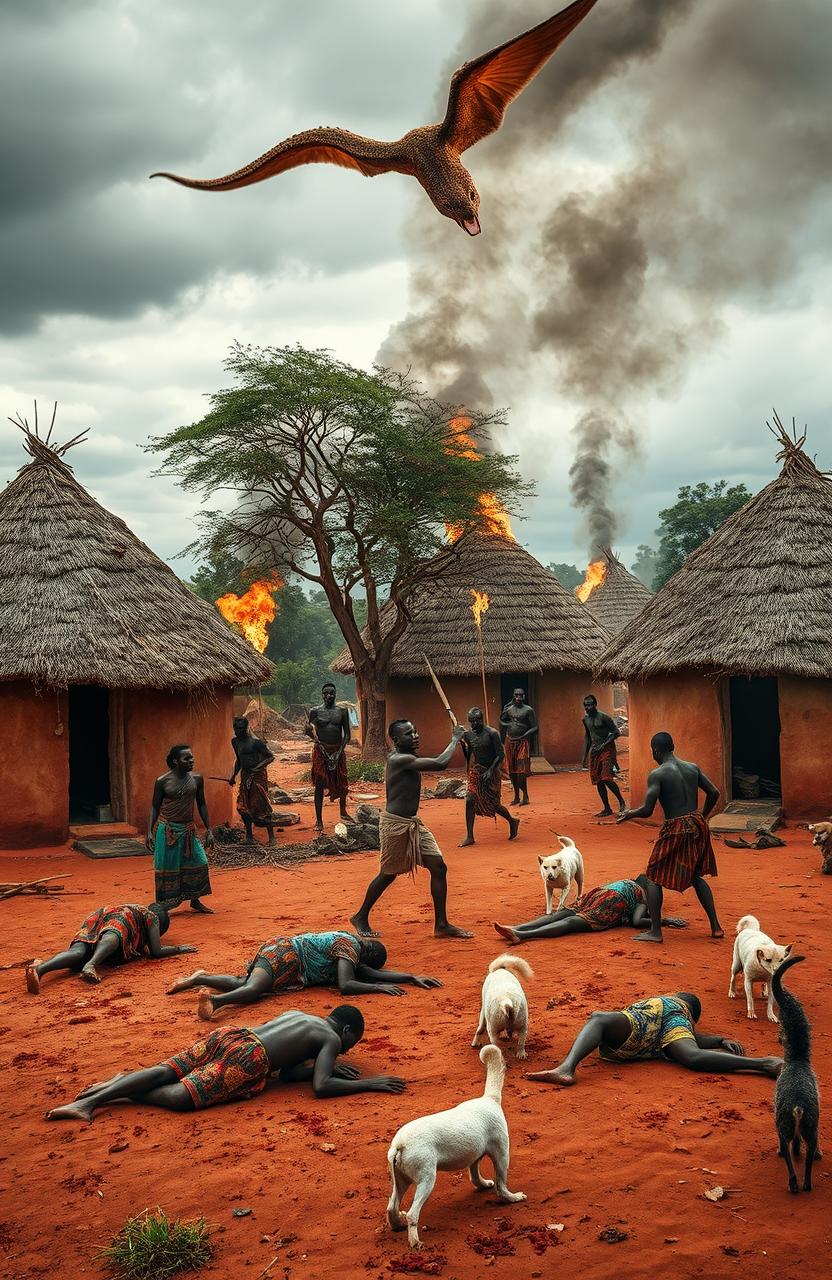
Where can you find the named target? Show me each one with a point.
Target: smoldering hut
(733, 655)
(618, 597)
(107, 660)
(535, 636)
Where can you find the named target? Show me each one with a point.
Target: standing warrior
(178, 857)
(600, 733)
(406, 842)
(253, 759)
(683, 853)
(518, 725)
(484, 753)
(329, 728)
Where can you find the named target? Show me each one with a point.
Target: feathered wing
(484, 88)
(315, 146)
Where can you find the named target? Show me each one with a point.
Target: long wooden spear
(437, 686)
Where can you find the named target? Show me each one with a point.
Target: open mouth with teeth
(471, 225)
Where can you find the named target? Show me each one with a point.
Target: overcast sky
(655, 232)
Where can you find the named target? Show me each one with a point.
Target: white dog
(756, 957)
(504, 1006)
(455, 1139)
(561, 870)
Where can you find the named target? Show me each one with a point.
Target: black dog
(796, 1099)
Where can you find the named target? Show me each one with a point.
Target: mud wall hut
(733, 655)
(107, 660)
(535, 636)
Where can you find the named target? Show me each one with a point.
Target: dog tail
(797, 1114)
(492, 1058)
(747, 922)
(515, 964)
(795, 1029)
(566, 843)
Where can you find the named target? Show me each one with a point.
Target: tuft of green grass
(153, 1246)
(365, 770)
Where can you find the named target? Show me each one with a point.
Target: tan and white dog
(454, 1139)
(561, 871)
(504, 1006)
(822, 838)
(756, 957)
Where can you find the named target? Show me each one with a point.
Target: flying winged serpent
(480, 93)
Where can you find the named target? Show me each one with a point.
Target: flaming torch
(252, 613)
(595, 575)
(478, 608)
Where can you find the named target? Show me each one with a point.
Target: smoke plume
(668, 163)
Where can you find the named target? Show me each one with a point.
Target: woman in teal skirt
(179, 859)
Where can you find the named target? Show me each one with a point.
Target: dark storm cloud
(96, 96)
(720, 160)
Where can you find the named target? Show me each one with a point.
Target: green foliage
(568, 575)
(217, 576)
(152, 1247)
(644, 565)
(697, 513)
(365, 770)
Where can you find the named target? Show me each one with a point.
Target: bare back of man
(679, 782)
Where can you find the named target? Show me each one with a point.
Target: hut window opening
(755, 737)
(89, 753)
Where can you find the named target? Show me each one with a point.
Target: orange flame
(496, 520)
(480, 605)
(253, 611)
(595, 575)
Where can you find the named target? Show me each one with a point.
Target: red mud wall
(805, 714)
(560, 696)
(154, 722)
(687, 707)
(417, 700)
(34, 767)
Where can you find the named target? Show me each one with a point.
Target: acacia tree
(346, 479)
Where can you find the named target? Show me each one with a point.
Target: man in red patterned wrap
(683, 853)
(600, 733)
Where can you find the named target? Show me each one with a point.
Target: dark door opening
(755, 735)
(89, 751)
(518, 680)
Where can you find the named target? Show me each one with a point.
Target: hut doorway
(755, 737)
(519, 680)
(89, 752)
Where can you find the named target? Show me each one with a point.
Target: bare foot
(508, 934)
(200, 907)
(319, 827)
(525, 800)
(718, 932)
(514, 826)
(450, 931)
(603, 813)
(346, 817)
(72, 1111)
(102, 1084)
(362, 927)
(205, 1004)
(88, 973)
(558, 1076)
(649, 937)
(773, 1067)
(463, 844)
(516, 800)
(185, 984)
(32, 979)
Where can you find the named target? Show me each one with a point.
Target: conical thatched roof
(620, 597)
(756, 598)
(83, 601)
(532, 624)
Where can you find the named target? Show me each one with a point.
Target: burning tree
(346, 479)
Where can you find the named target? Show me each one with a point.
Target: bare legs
(604, 788)
(437, 867)
(80, 958)
(234, 990)
(520, 782)
(611, 1029)
(247, 823)
(655, 897)
(556, 925)
(156, 1086)
(319, 807)
(688, 1054)
(470, 814)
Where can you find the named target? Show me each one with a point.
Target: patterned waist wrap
(405, 843)
(330, 769)
(485, 793)
(682, 852)
(228, 1064)
(602, 764)
(518, 756)
(654, 1024)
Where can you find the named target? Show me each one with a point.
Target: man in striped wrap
(484, 753)
(683, 853)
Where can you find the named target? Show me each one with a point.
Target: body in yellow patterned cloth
(654, 1024)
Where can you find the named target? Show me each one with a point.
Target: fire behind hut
(733, 656)
(107, 660)
(613, 594)
(535, 635)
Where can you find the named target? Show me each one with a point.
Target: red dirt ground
(630, 1148)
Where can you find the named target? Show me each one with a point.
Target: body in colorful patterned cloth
(600, 733)
(621, 902)
(235, 1062)
(117, 934)
(355, 965)
(252, 759)
(329, 728)
(179, 859)
(657, 1027)
(484, 753)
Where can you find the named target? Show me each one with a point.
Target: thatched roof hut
(619, 598)
(534, 634)
(107, 658)
(736, 649)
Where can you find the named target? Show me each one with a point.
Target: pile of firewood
(42, 886)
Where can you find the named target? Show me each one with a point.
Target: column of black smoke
(615, 289)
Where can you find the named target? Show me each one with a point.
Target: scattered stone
(448, 789)
(368, 814)
(611, 1235)
(240, 1213)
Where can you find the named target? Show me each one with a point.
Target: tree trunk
(373, 726)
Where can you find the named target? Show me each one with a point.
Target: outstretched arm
(371, 981)
(645, 810)
(426, 765)
(157, 950)
(326, 1083)
(392, 975)
(711, 793)
(718, 1042)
